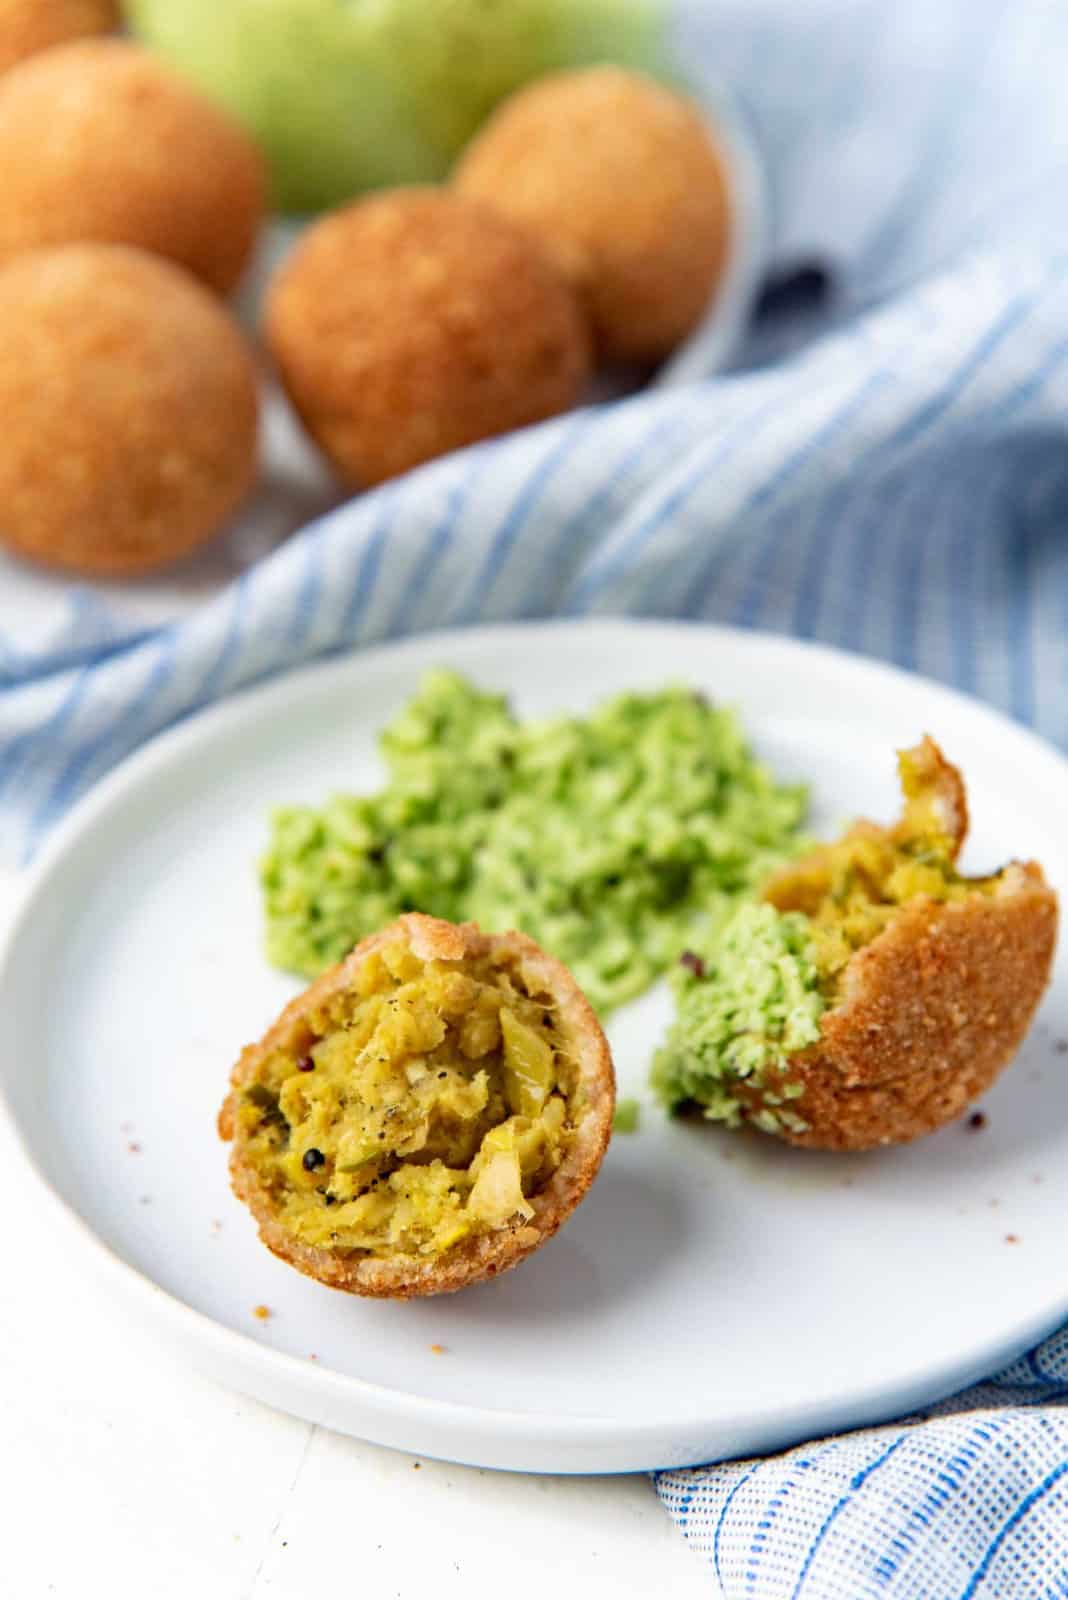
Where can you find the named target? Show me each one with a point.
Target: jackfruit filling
(852, 889)
(429, 1101)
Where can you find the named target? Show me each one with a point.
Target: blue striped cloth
(888, 472)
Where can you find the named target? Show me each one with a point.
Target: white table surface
(127, 1474)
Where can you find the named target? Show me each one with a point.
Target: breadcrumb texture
(479, 1256)
(933, 1009)
(28, 26)
(623, 184)
(130, 410)
(417, 322)
(100, 141)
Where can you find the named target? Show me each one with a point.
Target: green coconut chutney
(740, 1014)
(615, 840)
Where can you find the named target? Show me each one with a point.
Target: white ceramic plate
(716, 1293)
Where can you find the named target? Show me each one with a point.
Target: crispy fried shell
(930, 1013)
(481, 1255)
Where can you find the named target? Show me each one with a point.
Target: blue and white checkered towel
(889, 473)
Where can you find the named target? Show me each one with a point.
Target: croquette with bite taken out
(875, 992)
(425, 1115)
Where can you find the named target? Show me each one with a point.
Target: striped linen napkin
(887, 473)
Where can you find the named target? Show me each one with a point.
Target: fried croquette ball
(424, 1116)
(417, 322)
(621, 181)
(100, 142)
(130, 410)
(876, 992)
(28, 26)
(927, 1017)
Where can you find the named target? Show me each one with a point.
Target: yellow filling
(852, 889)
(431, 1101)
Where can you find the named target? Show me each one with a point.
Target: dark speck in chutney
(305, 1064)
(692, 963)
(313, 1158)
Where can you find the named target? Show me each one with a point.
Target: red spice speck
(1012, 1238)
(692, 963)
(977, 1120)
(305, 1064)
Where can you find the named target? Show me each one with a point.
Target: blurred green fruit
(347, 95)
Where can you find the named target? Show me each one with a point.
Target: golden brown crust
(481, 1255)
(933, 1009)
(622, 183)
(29, 26)
(945, 785)
(100, 141)
(417, 322)
(130, 410)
